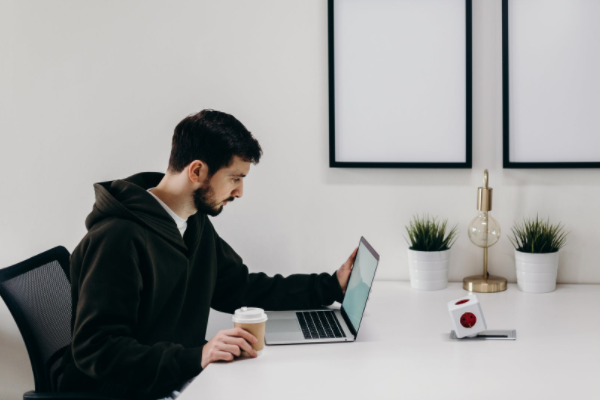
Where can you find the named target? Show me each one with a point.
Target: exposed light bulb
(484, 231)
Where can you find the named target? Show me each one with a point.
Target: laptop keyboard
(319, 324)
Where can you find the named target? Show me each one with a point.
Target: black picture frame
(467, 164)
(507, 163)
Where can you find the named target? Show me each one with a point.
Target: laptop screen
(359, 284)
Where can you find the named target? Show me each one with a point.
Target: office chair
(37, 292)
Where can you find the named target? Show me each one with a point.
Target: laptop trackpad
(286, 329)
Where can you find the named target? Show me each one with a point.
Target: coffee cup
(253, 320)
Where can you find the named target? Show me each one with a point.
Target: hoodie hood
(128, 199)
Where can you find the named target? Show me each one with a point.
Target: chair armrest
(32, 395)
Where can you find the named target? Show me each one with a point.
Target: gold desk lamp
(484, 231)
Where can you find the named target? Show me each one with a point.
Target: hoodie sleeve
(236, 287)
(103, 343)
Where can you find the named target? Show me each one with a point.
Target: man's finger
(241, 343)
(230, 348)
(223, 356)
(239, 332)
(353, 255)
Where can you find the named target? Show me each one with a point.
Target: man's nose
(239, 191)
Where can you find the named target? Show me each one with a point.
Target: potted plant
(536, 254)
(429, 252)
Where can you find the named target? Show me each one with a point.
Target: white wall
(91, 91)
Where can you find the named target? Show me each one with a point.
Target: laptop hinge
(348, 323)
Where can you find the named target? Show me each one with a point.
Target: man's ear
(197, 171)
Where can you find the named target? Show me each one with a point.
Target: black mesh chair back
(37, 292)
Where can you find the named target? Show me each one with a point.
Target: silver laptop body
(298, 326)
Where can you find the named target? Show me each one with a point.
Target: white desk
(403, 351)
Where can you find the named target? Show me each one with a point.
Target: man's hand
(343, 274)
(227, 344)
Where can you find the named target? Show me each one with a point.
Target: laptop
(328, 325)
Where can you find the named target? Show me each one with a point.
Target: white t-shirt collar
(180, 222)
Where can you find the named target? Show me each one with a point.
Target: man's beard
(204, 200)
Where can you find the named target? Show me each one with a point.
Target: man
(151, 266)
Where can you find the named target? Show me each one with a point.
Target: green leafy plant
(428, 234)
(535, 236)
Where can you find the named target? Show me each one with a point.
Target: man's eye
(236, 179)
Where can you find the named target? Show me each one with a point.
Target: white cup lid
(249, 315)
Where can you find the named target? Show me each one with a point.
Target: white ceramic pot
(428, 269)
(536, 272)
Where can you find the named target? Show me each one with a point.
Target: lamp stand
(485, 283)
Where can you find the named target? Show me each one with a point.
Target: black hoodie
(141, 293)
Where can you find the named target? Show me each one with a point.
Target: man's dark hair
(213, 137)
